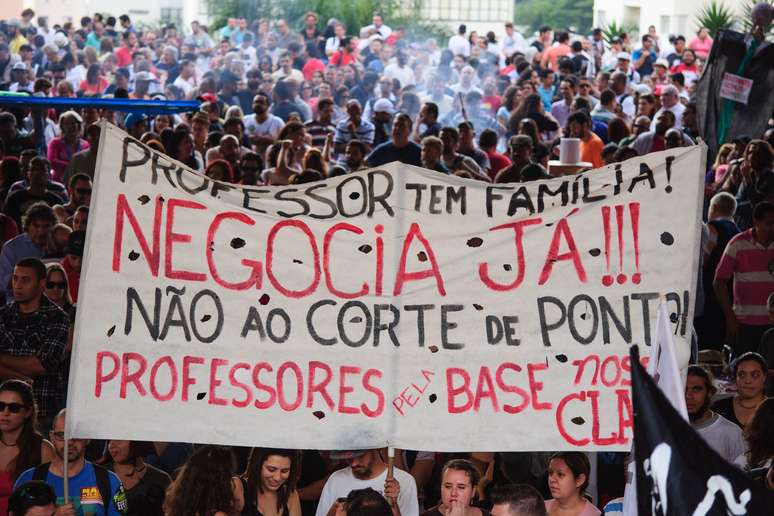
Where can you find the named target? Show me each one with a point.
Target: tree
(353, 13)
(573, 14)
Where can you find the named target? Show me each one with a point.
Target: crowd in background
(288, 105)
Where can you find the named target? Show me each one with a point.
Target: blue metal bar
(146, 107)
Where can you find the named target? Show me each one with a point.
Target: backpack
(103, 481)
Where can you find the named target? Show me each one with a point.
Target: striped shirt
(752, 267)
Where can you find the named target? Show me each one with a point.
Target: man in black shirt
(39, 176)
(399, 148)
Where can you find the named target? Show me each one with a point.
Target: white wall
(668, 16)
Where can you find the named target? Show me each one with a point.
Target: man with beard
(366, 468)
(92, 488)
(262, 127)
(721, 434)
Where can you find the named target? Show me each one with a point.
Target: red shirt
(340, 59)
(124, 56)
(311, 66)
(498, 162)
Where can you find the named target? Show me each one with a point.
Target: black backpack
(103, 482)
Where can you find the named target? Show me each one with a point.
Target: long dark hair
(253, 472)
(203, 484)
(29, 439)
(760, 435)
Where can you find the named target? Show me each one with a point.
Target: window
(682, 24)
(664, 27)
(601, 18)
(172, 15)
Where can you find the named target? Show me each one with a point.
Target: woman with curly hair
(21, 445)
(269, 483)
(205, 485)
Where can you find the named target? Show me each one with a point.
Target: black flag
(677, 472)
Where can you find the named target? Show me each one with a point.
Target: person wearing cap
(399, 147)
(367, 469)
(660, 75)
(381, 117)
(624, 64)
(73, 260)
(63, 147)
(142, 83)
(136, 124)
(645, 57)
(20, 76)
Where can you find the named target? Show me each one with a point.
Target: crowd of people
(287, 105)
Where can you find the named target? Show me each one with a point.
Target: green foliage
(560, 14)
(614, 29)
(715, 17)
(353, 13)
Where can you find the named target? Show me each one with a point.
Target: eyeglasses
(56, 284)
(83, 191)
(58, 435)
(13, 408)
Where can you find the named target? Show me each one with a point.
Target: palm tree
(715, 17)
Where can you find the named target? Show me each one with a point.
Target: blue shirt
(83, 491)
(647, 66)
(547, 96)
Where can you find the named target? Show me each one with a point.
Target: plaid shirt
(42, 334)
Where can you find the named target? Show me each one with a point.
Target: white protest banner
(735, 88)
(391, 305)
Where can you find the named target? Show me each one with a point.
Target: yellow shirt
(16, 43)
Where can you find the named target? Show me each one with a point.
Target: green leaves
(560, 14)
(715, 17)
(614, 29)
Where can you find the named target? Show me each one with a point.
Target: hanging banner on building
(394, 305)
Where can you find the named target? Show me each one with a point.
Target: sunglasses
(584, 85)
(56, 284)
(13, 408)
(83, 191)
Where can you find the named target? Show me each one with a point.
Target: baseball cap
(229, 76)
(207, 97)
(132, 119)
(347, 454)
(19, 66)
(144, 76)
(662, 62)
(384, 106)
(76, 243)
(623, 55)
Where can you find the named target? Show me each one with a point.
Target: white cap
(662, 62)
(384, 106)
(624, 55)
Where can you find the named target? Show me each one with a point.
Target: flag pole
(66, 475)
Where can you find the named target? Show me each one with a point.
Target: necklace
(2, 440)
(755, 405)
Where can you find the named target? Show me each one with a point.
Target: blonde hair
(723, 153)
(57, 267)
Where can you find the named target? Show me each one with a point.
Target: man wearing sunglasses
(93, 490)
(33, 336)
(79, 189)
(33, 498)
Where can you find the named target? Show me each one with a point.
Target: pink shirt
(588, 509)
(751, 266)
(59, 154)
(701, 47)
